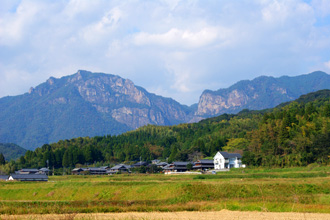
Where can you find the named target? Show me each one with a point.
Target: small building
(90, 171)
(225, 160)
(140, 164)
(78, 171)
(4, 177)
(161, 164)
(203, 165)
(120, 168)
(28, 177)
(44, 170)
(27, 171)
(176, 167)
(97, 171)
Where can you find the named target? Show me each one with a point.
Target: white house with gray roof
(225, 160)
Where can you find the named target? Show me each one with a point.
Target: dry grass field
(223, 215)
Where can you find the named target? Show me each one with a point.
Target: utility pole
(47, 167)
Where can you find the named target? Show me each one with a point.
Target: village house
(176, 167)
(27, 171)
(44, 170)
(33, 171)
(161, 164)
(120, 168)
(225, 160)
(4, 177)
(90, 171)
(97, 171)
(204, 165)
(28, 177)
(78, 171)
(140, 164)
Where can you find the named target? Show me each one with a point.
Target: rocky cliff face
(260, 93)
(84, 104)
(118, 98)
(213, 104)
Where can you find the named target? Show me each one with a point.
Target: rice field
(299, 190)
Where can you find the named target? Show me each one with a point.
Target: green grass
(290, 189)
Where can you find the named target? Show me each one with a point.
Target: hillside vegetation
(293, 134)
(11, 151)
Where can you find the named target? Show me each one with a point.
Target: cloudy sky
(172, 48)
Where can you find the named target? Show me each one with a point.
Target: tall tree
(2, 159)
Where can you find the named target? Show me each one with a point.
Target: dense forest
(293, 134)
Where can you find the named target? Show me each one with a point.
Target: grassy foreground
(277, 190)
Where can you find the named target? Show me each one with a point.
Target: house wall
(219, 162)
(235, 162)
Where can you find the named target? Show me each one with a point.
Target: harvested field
(224, 215)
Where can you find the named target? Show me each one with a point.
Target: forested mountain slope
(293, 134)
(11, 151)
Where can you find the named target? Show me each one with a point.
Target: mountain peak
(260, 93)
(84, 104)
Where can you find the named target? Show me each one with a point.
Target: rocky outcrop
(260, 93)
(212, 104)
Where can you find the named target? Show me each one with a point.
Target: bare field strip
(224, 215)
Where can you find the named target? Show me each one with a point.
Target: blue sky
(172, 48)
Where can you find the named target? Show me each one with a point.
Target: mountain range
(97, 104)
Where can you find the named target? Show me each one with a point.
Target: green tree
(66, 161)
(2, 159)
(189, 166)
(326, 111)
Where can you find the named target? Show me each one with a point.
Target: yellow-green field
(277, 190)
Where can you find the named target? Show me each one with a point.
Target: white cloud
(106, 25)
(179, 38)
(177, 48)
(15, 25)
(327, 65)
(322, 7)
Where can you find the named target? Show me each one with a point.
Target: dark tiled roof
(44, 169)
(168, 166)
(120, 166)
(96, 169)
(179, 163)
(205, 161)
(3, 177)
(230, 155)
(29, 170)
(77, 169)
(140, 163)
(29, 176)
(162, 164)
